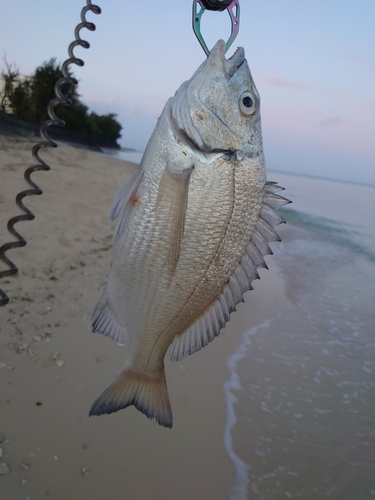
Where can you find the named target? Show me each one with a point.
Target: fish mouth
(233, 63)
(185, 128)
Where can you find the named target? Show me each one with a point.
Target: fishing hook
(234, 13)
(45, 142)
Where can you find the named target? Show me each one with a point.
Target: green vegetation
(28, 99)
(9, 76)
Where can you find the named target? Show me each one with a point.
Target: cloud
(330, 121)
(281, 82)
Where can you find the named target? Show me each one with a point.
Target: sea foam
(241, 480)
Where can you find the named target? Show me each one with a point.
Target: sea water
(301, 392)
(129, 155)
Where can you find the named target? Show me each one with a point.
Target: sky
(313, 62)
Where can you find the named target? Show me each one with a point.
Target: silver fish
(194, 223)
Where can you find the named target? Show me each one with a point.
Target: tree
(20, 101)
(108, 126)
(29, 101)
(42, 88)
(9, 76)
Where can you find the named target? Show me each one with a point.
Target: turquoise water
(301, 396)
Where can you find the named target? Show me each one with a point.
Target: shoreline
(53, 367)
(256, 400)
(12, 125)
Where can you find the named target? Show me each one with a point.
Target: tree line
(28, 98)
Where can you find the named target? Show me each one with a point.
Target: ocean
(301, 392)
(129, 155)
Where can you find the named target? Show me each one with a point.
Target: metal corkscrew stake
(46, 142)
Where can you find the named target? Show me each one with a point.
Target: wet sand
(52, 367)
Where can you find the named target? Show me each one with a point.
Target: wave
(343, 234)
(241, 480)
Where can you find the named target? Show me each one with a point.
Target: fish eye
(247, 103)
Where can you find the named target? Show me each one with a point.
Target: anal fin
(104, 321)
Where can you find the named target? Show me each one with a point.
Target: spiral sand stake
(45, 142)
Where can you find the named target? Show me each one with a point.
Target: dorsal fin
(208, 326)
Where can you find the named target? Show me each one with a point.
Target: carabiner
(234, 14)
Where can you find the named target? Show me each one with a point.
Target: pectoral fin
(171, 206)
(125, 201)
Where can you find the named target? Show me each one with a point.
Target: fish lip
(233, 63)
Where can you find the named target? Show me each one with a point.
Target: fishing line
(46, 142)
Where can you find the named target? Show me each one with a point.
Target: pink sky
(313, 63)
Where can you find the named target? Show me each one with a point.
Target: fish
(194, 224)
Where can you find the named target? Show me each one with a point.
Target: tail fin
(148, 393)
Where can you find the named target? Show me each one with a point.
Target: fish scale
(232, 246)
(194, 223)
(200, 203)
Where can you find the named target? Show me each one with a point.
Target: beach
(55, 368)
(238, 404)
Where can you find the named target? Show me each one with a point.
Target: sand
(53, 367)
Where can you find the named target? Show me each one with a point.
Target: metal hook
(234, 13)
